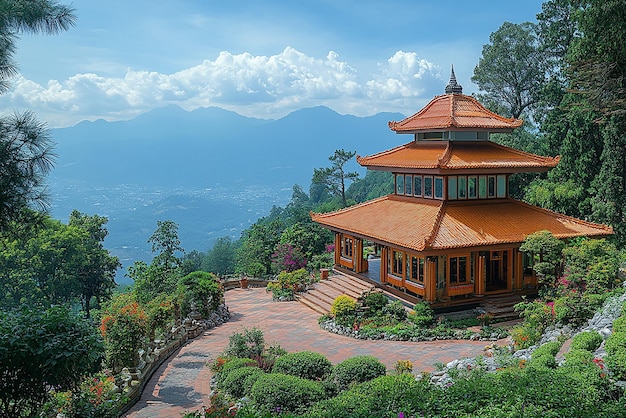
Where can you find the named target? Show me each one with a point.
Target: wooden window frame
(457, 281)
(421, 268)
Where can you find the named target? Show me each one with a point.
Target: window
(482, 187)
(462, 187)
(471, 187)
(416, 269)
(428, 187)
(458, 269)
(491, 186)
(399, 183)
(501, 185)
(417, 183)
(452, 188)
(397, 264)
(408, 185)
(347, 247)
(438, 187)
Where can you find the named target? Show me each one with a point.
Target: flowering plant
(124, 326)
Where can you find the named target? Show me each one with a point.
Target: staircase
(502, 307)
(321, 297)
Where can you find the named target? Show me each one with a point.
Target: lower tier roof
(423, 224)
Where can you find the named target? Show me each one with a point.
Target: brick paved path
(182, 382)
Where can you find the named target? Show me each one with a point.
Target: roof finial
(453, 86)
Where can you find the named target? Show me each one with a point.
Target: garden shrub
(616, 354)
(592, 264)
(239, 381)
(343, 309)
(357, 369)
(576, 308)
(619, 325)
(422, 315)
(375, 301)
(550, 348)
(250, 343)
(231, 365)
(304, 364)
(203, 290)
(276, 392)
(384, 396)
(589, 340)
(525, 335)
(395, 310)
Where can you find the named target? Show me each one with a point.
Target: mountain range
(212, 171)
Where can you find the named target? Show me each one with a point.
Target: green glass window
(438, 187)
(491, 186)
(482, 187)
(428, 187)
(408, 185)
(471, 187)
(462, 187)
(501, 186)
(452, 188)
(417, 183)
(399, 183)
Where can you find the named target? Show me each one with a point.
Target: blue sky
(259, 58)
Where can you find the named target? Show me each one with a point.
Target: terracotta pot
(243, 282)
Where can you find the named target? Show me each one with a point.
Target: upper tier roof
(429, 225)
(451, 112)
(456, 155)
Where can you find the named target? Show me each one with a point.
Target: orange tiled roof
(421, 224)
(454, 155)
(454, 112)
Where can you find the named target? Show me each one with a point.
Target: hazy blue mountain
(212, 171)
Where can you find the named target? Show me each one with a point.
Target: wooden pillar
(509, 270)
(358, 255)
(383, 264)
(479, 287)
(430, 281)
(337, 248)
(519, 270)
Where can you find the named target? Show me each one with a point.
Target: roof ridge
(444, 159)
(526, 154)
(393, 124)
(360, 159)
(334, 212)
(562, 215)
(428, 239)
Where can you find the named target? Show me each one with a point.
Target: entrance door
(497, 270)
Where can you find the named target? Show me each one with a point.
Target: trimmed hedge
(239, 381)
(276, 392)
(616, 354)
(356, 370)
(304, 364)
(231, 365)
(589, 340)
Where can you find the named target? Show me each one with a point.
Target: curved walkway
(182, 383)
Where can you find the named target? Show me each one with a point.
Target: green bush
(551, 348)
(422, 315)
(375, 301)
(385, 396)
(250, 343)
(276, 392)
(343, 309)
(356, 370)
(304, 364)
(395, 310)
(231, 365)
(578, 356)
(619, 325)
(589, 341)
(239, 381)
(543, 357)
(616, 354)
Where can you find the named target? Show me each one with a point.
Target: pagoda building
(450, 229)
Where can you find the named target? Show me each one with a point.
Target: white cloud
(259, 86)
